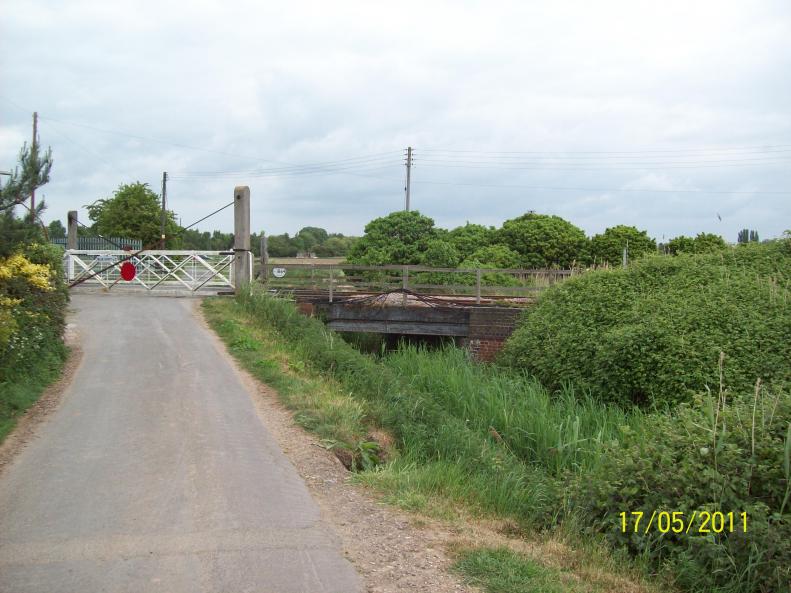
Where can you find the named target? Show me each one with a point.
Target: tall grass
(490, 438)
(558, 432)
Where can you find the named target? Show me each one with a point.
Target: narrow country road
(156, 474)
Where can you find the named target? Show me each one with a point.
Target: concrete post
(263, 274)
(71, 238)
(241, 238)
(71, 243)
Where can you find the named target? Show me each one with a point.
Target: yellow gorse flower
(37, 275)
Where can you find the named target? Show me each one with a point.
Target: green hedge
(652, 334)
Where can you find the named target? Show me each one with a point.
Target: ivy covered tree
(133, 212)
(545, 241)
(398, 238)
(607, 247)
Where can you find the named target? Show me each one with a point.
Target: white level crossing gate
(155, 269)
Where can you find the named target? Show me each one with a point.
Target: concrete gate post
(71, 238)
(71, 242)
(241, 236)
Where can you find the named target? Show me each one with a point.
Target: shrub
(608, 246)
(32, 305)
(652, 334)
(545, 241)
(716, 454)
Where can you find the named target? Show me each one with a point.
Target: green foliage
(497, 442)
(31, 172)
(501, 570)
(336, 245)
(718, 454)
(56, 230)
(440, 254)
(470, 238)
(702, 243)
(398, 238)
(281, 246)
(134, 211)
(310, 237)
(545, 241)
(194, 239)
(652, 334)
(493, 256)
(608, 246)
(33, 302)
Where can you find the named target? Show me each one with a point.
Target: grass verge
(20, 392)
(501, 570)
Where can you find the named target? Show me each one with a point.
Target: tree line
(531, 240)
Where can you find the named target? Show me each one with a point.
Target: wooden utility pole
(33, 152)
(408, 175)
(164, 209)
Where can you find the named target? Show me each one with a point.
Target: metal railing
(185, 270)
(473, 283)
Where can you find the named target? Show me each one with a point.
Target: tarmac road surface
(156, 474)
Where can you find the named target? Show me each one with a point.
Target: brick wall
(490, 327)
(305, 308)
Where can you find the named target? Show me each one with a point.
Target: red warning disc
(128, 271)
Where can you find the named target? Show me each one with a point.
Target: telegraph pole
(33, 152)
(164, 210)
(408, 175)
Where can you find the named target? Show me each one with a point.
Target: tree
(608, 246)
(681, 244)
(440, 254)
(471, 237)
(281, 246)
(398, 238)
(309, 237)
(493, 256)
(31, 172)
(133, 212)
(545, 241)
(335, 246)
(56, 230)
(709, 243)
(747, 236)
(702, 243)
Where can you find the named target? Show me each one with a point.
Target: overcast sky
(666, 115)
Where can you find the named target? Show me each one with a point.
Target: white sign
(278, 272)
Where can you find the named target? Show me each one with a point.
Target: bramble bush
(718, 453)
(651, 335)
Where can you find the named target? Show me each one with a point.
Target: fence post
(241, 235)
(477, 286)
(331, 275)
(264, 259)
